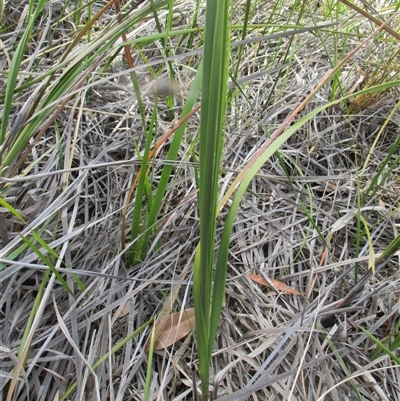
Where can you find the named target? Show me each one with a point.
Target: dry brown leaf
(163, 318)
(121, 312)
(177, 326)
(277, 285)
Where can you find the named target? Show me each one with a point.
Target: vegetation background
(131, 132)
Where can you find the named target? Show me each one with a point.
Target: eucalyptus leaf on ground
(178, 326)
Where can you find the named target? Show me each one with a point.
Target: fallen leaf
(277, 285)
(122, 311)
(163, 318)
(177, 326)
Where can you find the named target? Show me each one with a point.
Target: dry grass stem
(298, 222)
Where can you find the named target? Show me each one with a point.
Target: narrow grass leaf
(213, 104)
(172, 155)
(15, 67)
(380, 345)
(137, 218)
(48, 263)
(149, 364)
(56, 256)
(371, 259)
(12, 210)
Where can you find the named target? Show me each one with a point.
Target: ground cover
(100, 219)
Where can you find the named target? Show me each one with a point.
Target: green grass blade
(213, 105)
(27, 337)
(149, 364)
(394, 345)
(136, 253)
(15, 68)
(35, 308)
(380, 345)
(18, 215)
(53, 269)
(48, 263)
(12, 210)
(172, 156)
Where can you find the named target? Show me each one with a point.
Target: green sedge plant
(209, 284)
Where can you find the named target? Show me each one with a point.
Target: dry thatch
(298, 223)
